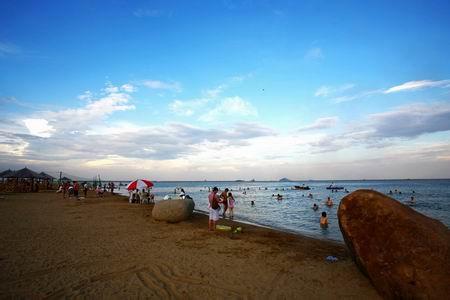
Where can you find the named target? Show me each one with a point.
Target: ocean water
(295, 214)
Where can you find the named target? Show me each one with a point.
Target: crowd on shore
(225, 201)
(141, 196)
(71, 189)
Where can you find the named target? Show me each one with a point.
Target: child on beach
(324, 220)
(214, 209)
(231, 203)
(223, 200)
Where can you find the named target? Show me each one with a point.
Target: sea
(294, 212)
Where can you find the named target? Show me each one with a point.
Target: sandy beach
(105, 247)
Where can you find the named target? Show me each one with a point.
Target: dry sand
(54, 248)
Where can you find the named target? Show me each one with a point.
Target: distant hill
(284, 180)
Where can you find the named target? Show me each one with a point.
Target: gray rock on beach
(173, 211)
(405, 254)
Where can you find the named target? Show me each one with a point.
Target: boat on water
(297, 187)
(334, 187)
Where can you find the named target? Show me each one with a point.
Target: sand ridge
(54, 248)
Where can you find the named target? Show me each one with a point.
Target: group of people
(323, 218)
(225, 199)
(72, 189)
(141, 196)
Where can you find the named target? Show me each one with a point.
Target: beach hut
(24, 173)
(5, 173)
(48, 180)
(24, 180)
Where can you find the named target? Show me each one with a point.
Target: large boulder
(173, 211)
(405, 254)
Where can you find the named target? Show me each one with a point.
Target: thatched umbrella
(46, 176)
(24, 173)
(5, 173)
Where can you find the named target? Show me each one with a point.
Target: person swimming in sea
(324, 220)
(329, 202)
(315, 207)
(252, 203)
(279, 197)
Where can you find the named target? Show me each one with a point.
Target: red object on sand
(139, 184)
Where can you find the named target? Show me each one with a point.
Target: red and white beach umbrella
(139, 184)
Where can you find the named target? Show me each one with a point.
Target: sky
(226, 90)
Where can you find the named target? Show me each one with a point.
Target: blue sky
(225, 90)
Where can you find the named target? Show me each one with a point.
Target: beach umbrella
(139, 184)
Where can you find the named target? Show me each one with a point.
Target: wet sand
(52, 248)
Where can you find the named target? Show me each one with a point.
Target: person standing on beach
(223, 197)
(85, 189)
(76, 188)
(65, 189)
(231, 203)
(214, 209)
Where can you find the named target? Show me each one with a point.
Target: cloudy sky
(225, 90)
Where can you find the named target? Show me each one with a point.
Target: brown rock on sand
(173, 211)
(404, 253)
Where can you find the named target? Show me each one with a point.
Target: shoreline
(106, 247)
(277, 229)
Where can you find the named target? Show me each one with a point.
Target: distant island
(284, 180)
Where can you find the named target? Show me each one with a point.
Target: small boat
(297, 187)
(334, 187)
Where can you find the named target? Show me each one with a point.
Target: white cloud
(191, 107)
(187, 108)
(161, 85)
(109, 88)
(411, 120)
(416, 85)
(326, 91)
(314, 53)
(90, 115)
(230, 107)
(360, 95)
(129, 88)
(215, 92)
(321, 123)
(86, 96)
(339, 95)
(8, 49)
(39, 127)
